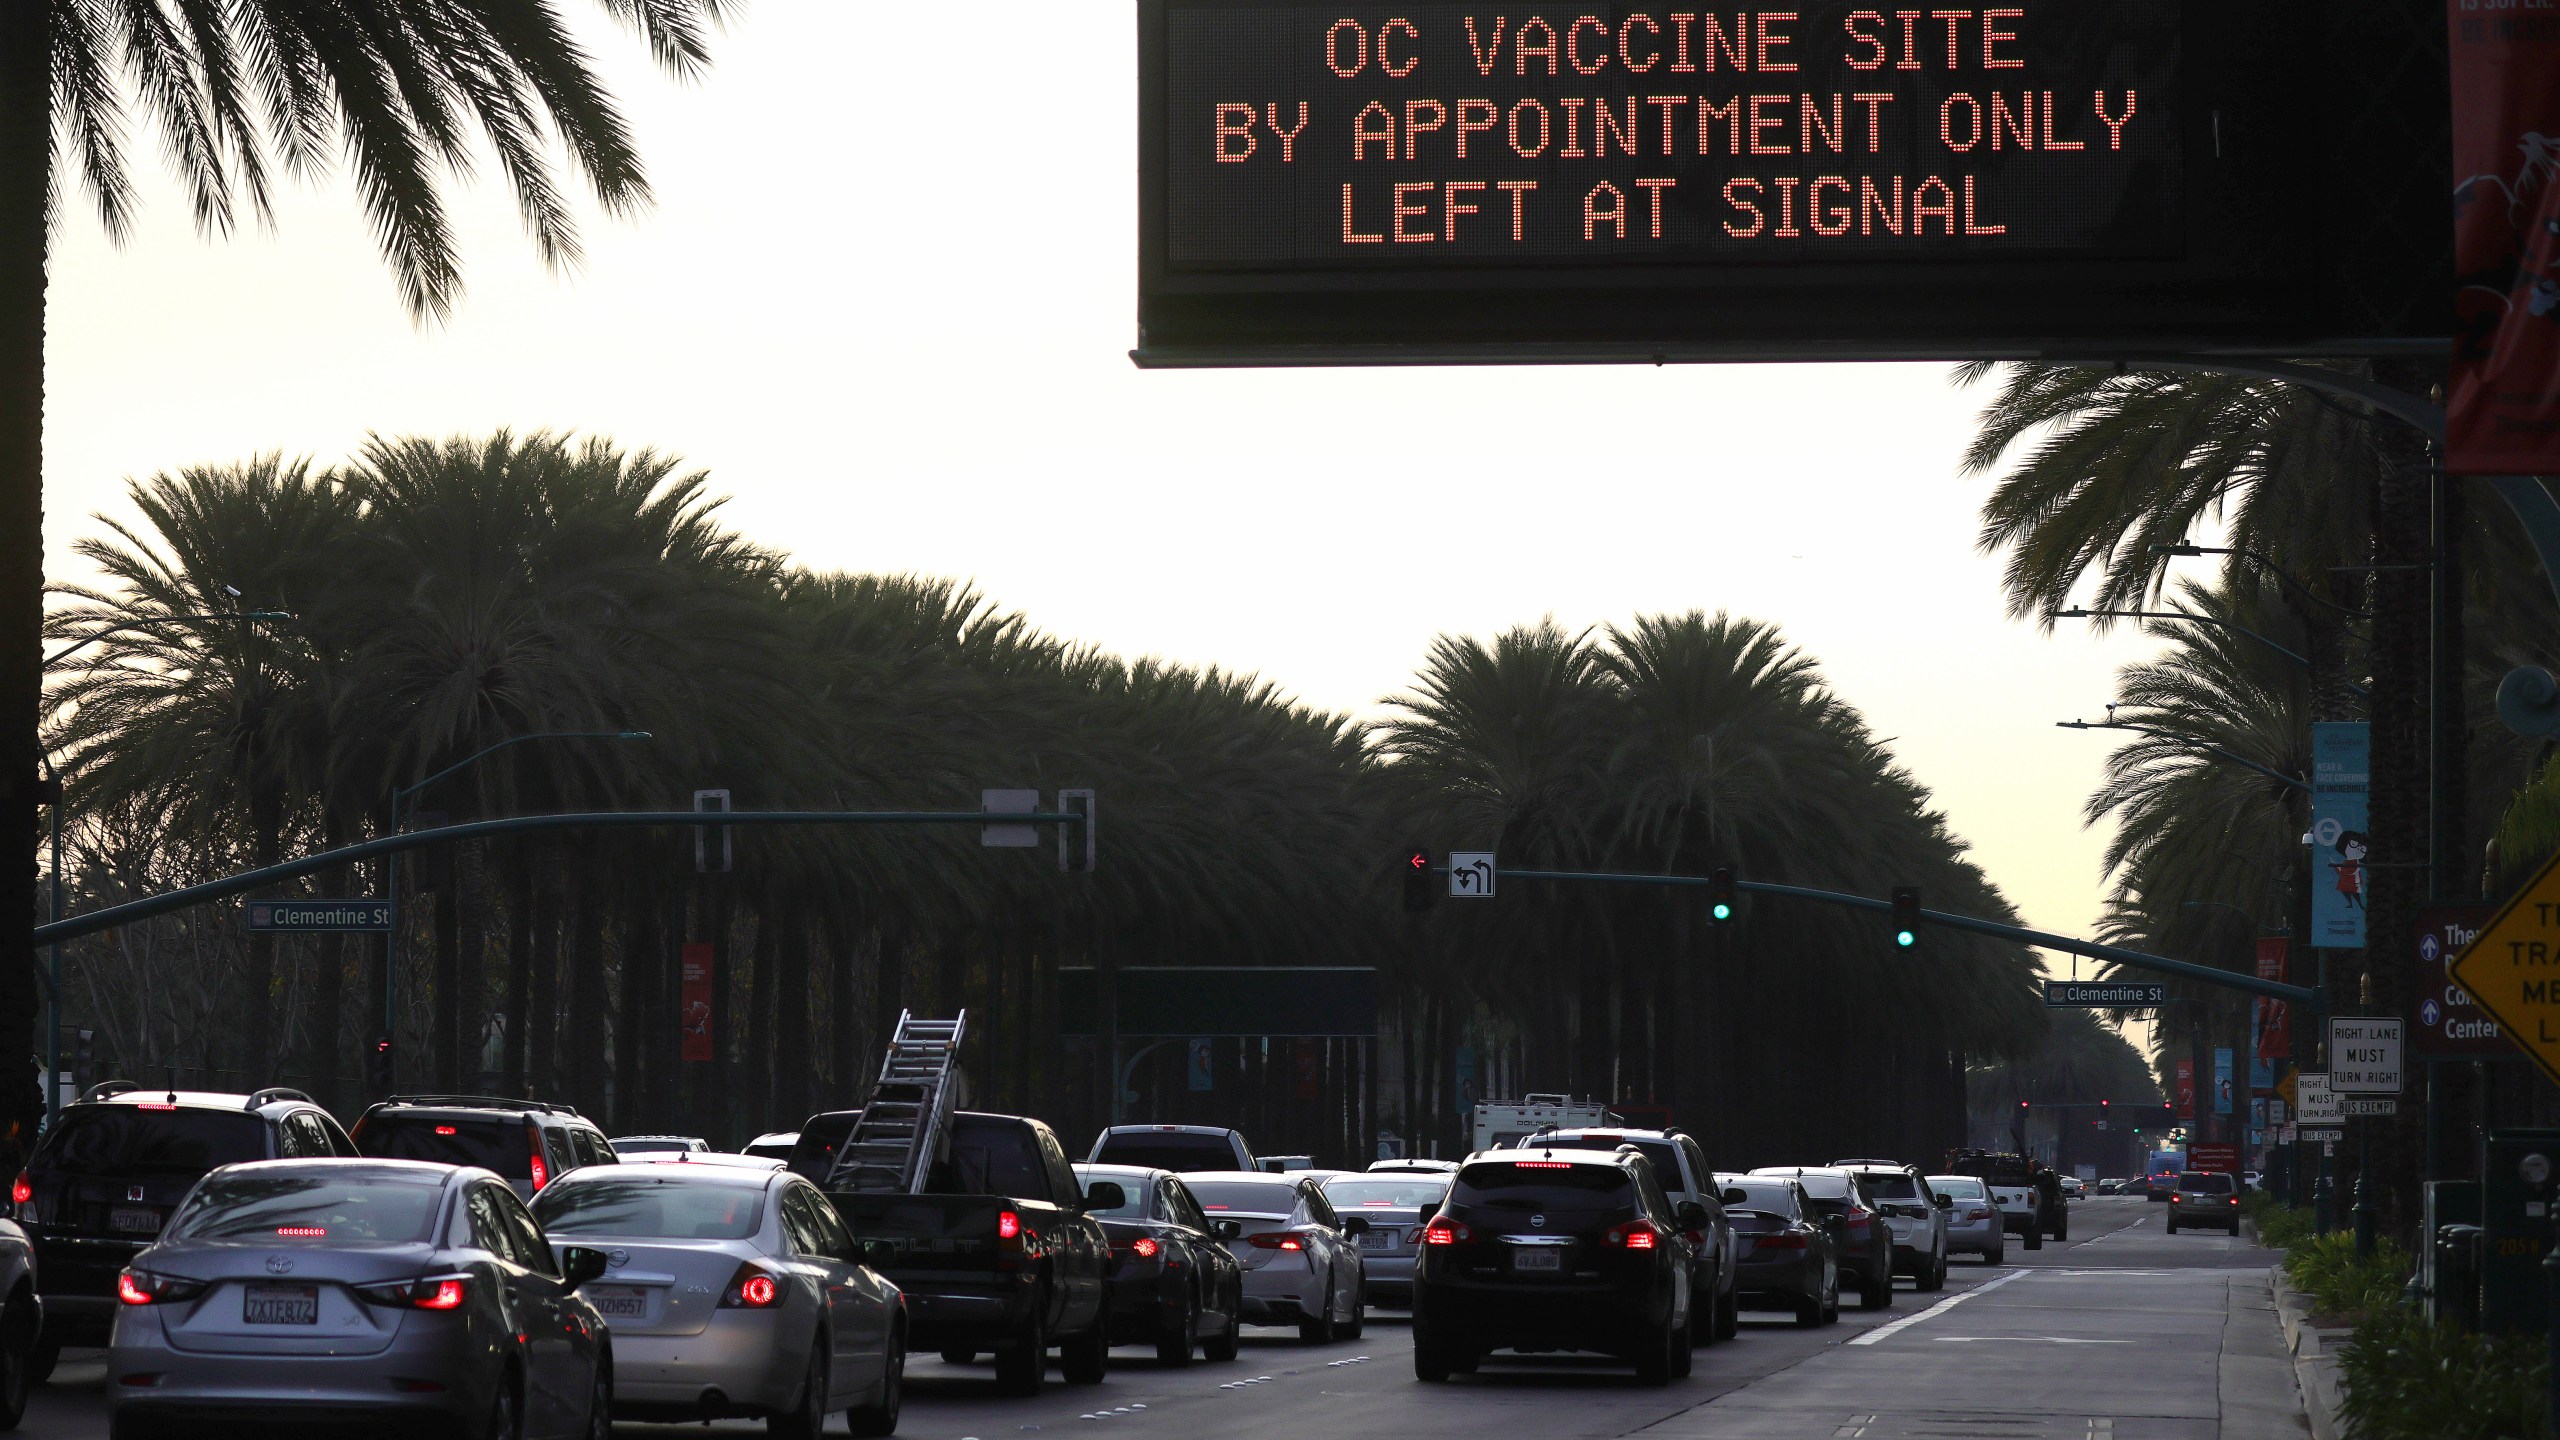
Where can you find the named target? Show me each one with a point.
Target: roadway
(2125, 1333)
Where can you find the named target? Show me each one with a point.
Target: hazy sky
(886, 298)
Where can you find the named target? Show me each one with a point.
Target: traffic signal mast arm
(2041, 939)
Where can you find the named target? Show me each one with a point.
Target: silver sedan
(734, 1291)
(350, 1292)
(1973, 1226)
(1301, 1261)
(1397, 1205)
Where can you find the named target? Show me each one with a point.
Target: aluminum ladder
(904, 1124)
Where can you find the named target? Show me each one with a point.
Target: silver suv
(1915, 1213)
(527, 1143)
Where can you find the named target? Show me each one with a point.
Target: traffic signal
(2102, 1114)
(1906, 916)
(1417, 881)
(1075, 837)
(1720, 889)
(377, 1065)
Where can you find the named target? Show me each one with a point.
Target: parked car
(1178, 1148)
(777, 1145)
(1912, 1214)
(527, 1143)
(1681, 1167)
(1973, 1221)
(658, 1144)
(1396, 1204)
(1789, 1260)
(2205, 1197)
(733, 1291)
(1171, 1281)
(1554, 1250)
(113, 1166)
(1859, 1232)
(999, 1254)
(1301, 1261)
(354, 1292)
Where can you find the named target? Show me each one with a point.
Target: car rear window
(1764, 1196)
(650, 1206)
(1183, 1154)
(499, 1145)
(1133, 1196)
(1542, 1185)
(1664, 1155)
(651, 1147)
(301, 1206)
(1409, 1192)
(1245, 1197)
(113, 1140)
(2206, 1182)
(1960, 1187)
(1889, 1185)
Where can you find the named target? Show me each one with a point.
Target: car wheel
(1432, 1362)
(1876, 1292)
(2035, 1238)
(808, 1419)
(1809, 1310)
(1729, 1315)
(1654, 1364)
(1084, 1359)
(600, 1399)
(2172, 1224)
(1933, 1276)
(1222, 1346)
(1020, 1370)
(2062, 1231)
(17, 1344)
(1317, 1329)
(506, 1421)
(1998, 1254)
(41, 1360)
(1831, 1301)
(958, 1356)
(881, 1416)
(1684, 1351)
(1359, 1320)
(1173, 1343)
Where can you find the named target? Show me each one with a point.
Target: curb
(2315, 1359)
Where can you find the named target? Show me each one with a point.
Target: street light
(53, 784)
(2189, 741)
(2263, 562)
(2193, 619)
(391, 865)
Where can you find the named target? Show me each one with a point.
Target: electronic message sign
(1324, 181)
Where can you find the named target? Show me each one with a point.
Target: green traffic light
(1904, 938)
(1723, 911)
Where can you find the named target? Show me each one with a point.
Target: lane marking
(1951, 1302)
(2023, 1340)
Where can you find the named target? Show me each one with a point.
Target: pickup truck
(998, 1254)
(2029, 1197)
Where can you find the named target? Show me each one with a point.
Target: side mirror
(582, 1264)
(1227, 1229)
(1355, 1224)
(1734, 1195)
(1946, 1202)
(1105, 1195)
(1692, 1215)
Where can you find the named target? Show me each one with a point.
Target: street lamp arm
(85, 641)
(2268, 564)
(2180, 615)
(2206, 746)
(466, 761)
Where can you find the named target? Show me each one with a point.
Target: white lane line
(1882, 1332)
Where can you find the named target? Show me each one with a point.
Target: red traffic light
(1419, 860)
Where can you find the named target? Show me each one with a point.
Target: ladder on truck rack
(902, 1129)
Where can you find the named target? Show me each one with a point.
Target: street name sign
(2106, 994)
(2364, 1054)
(1471, 874)
(2450, 1023)
(2512, 968)
(314, 917)
(2367, 1107)
(1322, 182)
(2315, 1103)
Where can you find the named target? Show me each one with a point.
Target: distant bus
(2160, 1173)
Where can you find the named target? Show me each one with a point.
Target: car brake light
(1634, 1235)
(1783, 1240)
(434, 1292)
(751, 1289)
(140, 1287)
(446, 1296)
(302, 1232)
(1274, 1240)
(130, 1293)
(533, 1139)
(447, 1130)
(1145, 1249)
(1008, 1226)
(1541, 1164)
(23, 1191)
(1445, 1231)
(155, 1106)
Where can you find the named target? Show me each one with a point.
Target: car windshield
(651, 1206)
(339, 1205)
(1960, 1187)
(500, 1145)
(1767, 1196)
(2204, 1182)
(1160, 1150)
(114, 1140)
(1542, 1185)
(1407, 1192)
(1245, 1197)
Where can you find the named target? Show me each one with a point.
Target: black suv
(1554, 1250)
(115, 1164)
(527, 1143)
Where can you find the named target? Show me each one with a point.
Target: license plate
(282, 1305)
(138, 1219)
(619, 1304)
(1526, 1260)
(1378, 1240)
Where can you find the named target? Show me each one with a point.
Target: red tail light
(23, 1190)
(1145, 1248)
(1274, 1240)
(1541, 1165)
(1008, 1226)
(131, 1293)
(435, 1292)
(141, 1287)
(447, 1294)
(1445, 1231)
(533, 1139)
(1634, 1235)
(751, 1289)
(1783, 1240)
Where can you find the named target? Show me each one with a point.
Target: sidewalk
(2312, 1351)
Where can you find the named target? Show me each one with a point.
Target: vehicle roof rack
(106, 1089)
(274, 1093)
(486, 1102)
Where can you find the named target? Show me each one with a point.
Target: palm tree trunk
(25, 149)
(791, 1017)
(519, 970)
(631, 1005)
(445, 1036)
(585, 1058)
(542, 990)
(758, 1089)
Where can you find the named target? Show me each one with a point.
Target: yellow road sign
(2513, 969)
